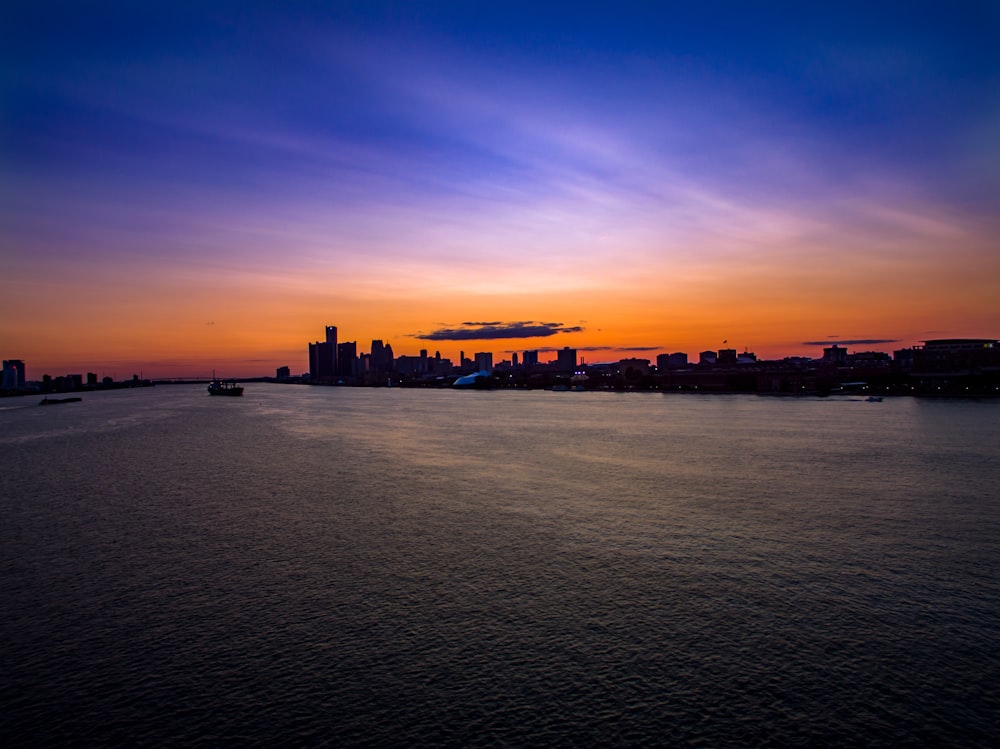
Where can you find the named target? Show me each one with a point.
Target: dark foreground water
(351, 567)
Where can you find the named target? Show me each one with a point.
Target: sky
(188, 187)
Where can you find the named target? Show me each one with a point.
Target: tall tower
(331, 338)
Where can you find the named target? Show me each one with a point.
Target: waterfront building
(707, 357)
(835, 355)
(726, 356)
(530, 359)
(323, 356)
(412, 365)
(13, 375)
(633, 369)
(957, 355)
(566, 359)
(331, 338)
(347, 359)
(484, 361)
(382, 361)
(321, 361)
(671, 361)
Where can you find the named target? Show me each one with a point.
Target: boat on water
(874, 399)
(224, 387)
(53, 401)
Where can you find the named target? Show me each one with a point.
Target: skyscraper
(13, 374)
(347, 359)
(484, 361)
(331, 338)
(566, 359)
(323, 356)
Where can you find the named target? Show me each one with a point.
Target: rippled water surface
(350, 567)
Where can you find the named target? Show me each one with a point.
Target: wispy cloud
(481, 331)
(851, 342)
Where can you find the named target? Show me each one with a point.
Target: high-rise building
(347, 359)
(530, 359)
(331, 338)
(566, 359)
(484, 361)
(321, 361)
(13, 374)
(323, 356)
(381, 357)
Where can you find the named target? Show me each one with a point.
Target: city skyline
(831, 351)
(189, 188)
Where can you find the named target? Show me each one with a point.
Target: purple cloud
(481, 331)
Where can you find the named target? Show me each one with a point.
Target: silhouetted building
(513, 359)
(671, 361)
(381, 358)
(283, 373)
(873, 360)
(835, 355)
(747, 357)
(414, 365)
(323, 356)
(484, 361)
(530, 359)
(707, 357)
(321, 361)
(347, 359)
(902, 359)
(957, 355)
(331, 338)
(633, 369)
(566, 359)
(13, 374)
(439, 366)
(726, 356)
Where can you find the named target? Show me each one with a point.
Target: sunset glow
(187, 189)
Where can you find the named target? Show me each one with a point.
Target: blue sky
(524, 161)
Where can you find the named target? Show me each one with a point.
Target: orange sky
(679, 182)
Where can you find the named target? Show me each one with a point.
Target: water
(350, 567)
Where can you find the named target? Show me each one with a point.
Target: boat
(53, 401)
(874, 399)
(224, 387)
